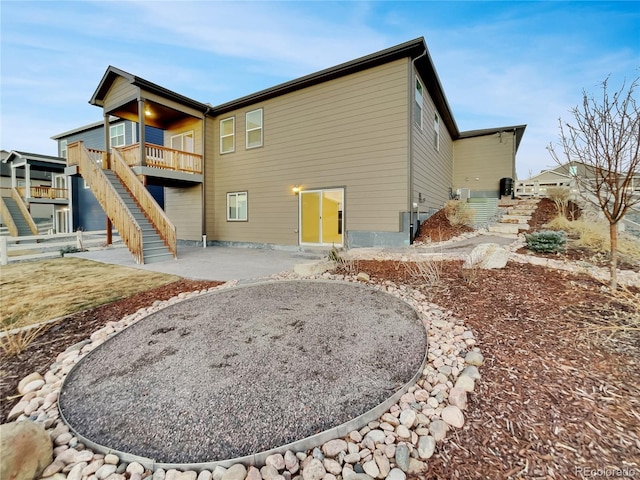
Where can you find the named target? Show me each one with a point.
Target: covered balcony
(157, 162)
(37, 178)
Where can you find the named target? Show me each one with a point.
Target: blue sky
(501, 63)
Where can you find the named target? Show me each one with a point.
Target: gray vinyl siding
(349, 132)
(480, 163)
(87, 212)
(94, 138)
(432, 168)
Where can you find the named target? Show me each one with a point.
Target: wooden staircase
(141, 223)
(153, 246)
(515, 220)
(16, 216)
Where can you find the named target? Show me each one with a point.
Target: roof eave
(412, 48)
(518, 129)
(112, 73)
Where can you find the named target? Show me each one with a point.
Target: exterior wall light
(296, 190)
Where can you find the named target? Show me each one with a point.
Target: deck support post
(141, 129)
(106, 163)
(109, 232)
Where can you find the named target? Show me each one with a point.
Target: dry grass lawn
(33, 292)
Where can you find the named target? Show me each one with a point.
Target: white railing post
(4, 255)
(79, 239)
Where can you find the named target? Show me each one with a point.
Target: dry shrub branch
(458, 213)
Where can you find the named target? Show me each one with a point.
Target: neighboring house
(85, 211)
(348, 156)
(38, 183)
(566, 175)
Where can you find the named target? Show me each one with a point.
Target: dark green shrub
(546, 241)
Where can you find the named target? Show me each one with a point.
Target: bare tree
(605, 138)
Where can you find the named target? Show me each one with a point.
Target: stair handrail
(24, 211)
(150, 207)
(108, 198)
(5, 214)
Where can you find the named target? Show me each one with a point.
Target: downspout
(513, 169)
(203, 220)
(412, 101)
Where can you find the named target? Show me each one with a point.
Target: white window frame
(436, 131)
(182, 136)
(419, 103)
(246, 201)
(117, 135)
(248, 130)
(231, 135)
(63, 148)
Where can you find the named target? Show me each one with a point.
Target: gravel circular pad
(244, 370)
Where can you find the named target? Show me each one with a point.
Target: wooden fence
(37, 247)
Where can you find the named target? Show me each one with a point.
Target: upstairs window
(116, 135)
(418, 107)
(436, 132)
(237, 207)
(227, 135)
(63, 148)
(254, 128)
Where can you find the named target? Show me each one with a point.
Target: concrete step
(509, 218)
(155, 258)
(511, 228)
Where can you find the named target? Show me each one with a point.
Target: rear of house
(349, 156)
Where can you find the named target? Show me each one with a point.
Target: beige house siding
(348, 132)
(480, 163)
(432, 168)
(184, 207)
(120, 92)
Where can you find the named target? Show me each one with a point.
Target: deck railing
(152, 210)
(108, 198)
(43, 191)
(166, 158)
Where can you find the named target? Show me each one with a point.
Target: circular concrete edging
(177, 318)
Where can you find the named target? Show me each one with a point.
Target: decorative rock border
(400, 441)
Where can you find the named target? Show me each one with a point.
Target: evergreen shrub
(546, 241)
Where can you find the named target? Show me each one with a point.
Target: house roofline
(84, 128)
(112, 73)
(14, 154)
(415, 49)
(519, 130)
